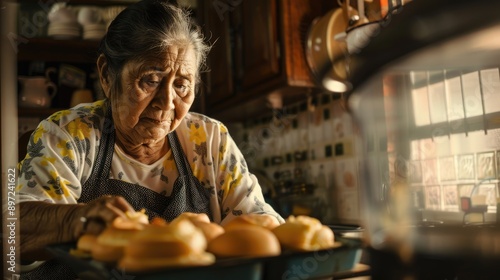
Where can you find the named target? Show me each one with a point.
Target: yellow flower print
(57, 116)
(196, 134)
(232, 180)
(46, 161)
(93, 106)
(38, 133)
(79, 129)
(58, 187)
(169, 163)
(223, 129)
(65, 152)
(198, 172)
(222, 151)
(223, 167)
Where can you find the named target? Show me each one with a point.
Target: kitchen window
(454, 129)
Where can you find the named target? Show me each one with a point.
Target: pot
(326, 45)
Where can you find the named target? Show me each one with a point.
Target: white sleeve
(53, 168)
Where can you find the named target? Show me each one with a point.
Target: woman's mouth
(156, 121)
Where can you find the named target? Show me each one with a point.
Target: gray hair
(147, 28)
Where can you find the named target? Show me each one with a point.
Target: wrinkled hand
(94, 216)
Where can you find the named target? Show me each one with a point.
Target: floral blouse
(63, 149)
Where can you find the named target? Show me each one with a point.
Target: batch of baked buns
(135, 244)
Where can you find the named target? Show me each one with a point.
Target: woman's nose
(164, 98)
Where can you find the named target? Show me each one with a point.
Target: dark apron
(188, 195)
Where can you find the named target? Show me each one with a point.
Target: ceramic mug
(36, 91)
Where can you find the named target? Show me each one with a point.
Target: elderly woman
(140, 148)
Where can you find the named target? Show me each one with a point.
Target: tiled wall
(314, 143)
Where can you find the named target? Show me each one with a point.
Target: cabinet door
(259, 43)
(219, 78)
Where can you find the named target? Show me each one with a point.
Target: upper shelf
(90, 2)
(52, 50)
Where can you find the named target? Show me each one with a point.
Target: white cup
(90, 15)
(62, 14)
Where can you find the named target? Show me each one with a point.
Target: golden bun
(110, 243)
(84, 246)
(86, 242)
(158, 221)
(304, 233)
(210, 230)
(262, 220)
(132, 264)
(245, 241)
(202, 221)
(107, 253)
(194, 217)
(131, 220)
(179, 243)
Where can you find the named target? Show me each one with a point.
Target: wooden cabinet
(218, 81)
(258, 50)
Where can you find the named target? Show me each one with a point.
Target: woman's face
(156, 94)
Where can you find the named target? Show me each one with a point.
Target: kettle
(37, 91)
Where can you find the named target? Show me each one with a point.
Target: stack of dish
(91, 19)
(94, 31)
(63, 30)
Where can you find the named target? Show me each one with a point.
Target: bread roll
(186, 231)
(106, 253)
(202, 221)
(86, 242)
(158, 221)
(263, 220)
(210, 230)
(110, 244)
(303, 233)
(131, 220)
(194, 217)
(179, 243)
(131, 264)
(84, 246)
(245, 241)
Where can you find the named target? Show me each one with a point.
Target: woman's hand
(45, 223)
(94, 216)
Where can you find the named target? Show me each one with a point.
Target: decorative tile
(465, 167)
(486, 165)
(447, 170)
(433, 197)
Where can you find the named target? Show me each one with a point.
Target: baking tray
(316, 264)
(87, 269)
(288, 265)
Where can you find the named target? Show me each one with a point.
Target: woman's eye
(182, 88)
(150, 82)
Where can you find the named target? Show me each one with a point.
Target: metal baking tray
(87, 269)
(316, 264)
(288, 265)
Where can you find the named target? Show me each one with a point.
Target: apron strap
(179, 156)
(102, 165)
